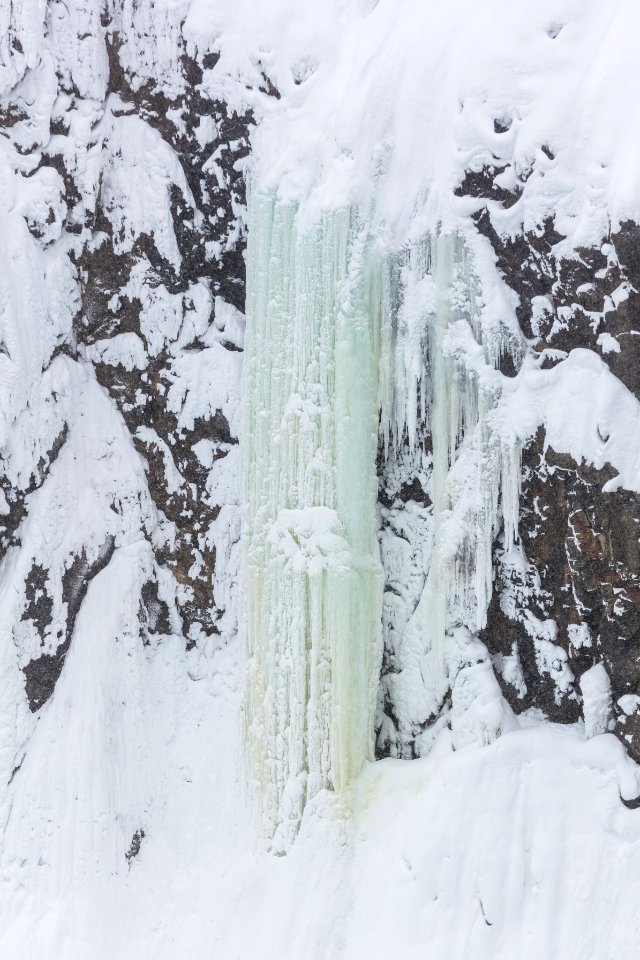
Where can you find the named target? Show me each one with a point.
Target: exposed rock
(136, 843)
(578, 587)
(41, 674)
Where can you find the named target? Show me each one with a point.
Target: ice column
(445, 387)
(313, 582)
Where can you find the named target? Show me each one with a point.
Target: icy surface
(313, 583)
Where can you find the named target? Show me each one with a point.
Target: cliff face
(579, 532)
(124, 193)
(564, 603)
(124, 286)
(494, 197)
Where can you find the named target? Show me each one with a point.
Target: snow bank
(407, 94)
(461, 855)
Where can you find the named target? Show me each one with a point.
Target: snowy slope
(457, 855)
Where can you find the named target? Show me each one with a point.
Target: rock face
(133, 134)
(122, 204)
(166, 305)
(564, 609)
(121, 348)
(573, 601)
(581, 542)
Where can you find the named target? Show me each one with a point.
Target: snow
(522, 842)
(596, 693)
(376, 105)
(202, 383)
(125, 349)
(462, 854)
(586, 411)
(141, 164)
(608, 344)
(507, 836)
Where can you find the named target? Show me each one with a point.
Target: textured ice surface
(313, 584)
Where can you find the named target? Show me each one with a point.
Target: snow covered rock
(435, 554)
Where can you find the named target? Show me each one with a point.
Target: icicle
(312, 577)
(511, 487)
(338, 331)
(445, 382)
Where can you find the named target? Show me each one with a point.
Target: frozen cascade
(444, 391)
(313, 581)
(347, 346)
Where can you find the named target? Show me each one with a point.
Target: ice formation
(347, 347)
(313, 581)
(444, 389)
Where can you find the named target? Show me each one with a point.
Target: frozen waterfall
(313, 580)
(350, 350)
(444, 393)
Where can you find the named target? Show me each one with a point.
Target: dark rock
(42, 673)
(136, 843)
